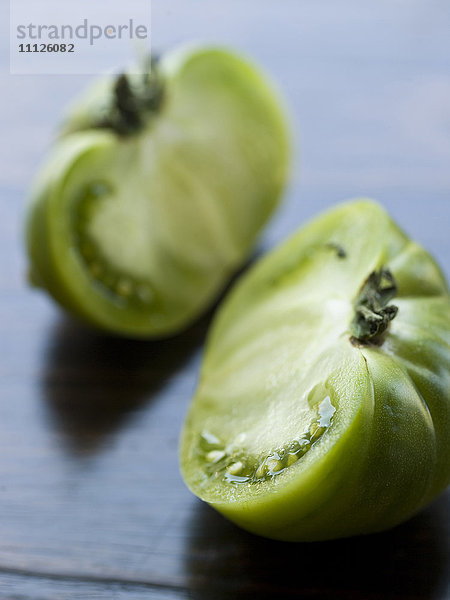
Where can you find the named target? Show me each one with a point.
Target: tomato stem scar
(134, 100)
(373, 313)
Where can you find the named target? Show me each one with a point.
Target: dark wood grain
(91, 501)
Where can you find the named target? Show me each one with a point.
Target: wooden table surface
(91, 501)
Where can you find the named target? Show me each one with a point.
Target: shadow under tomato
(408, 562)
(93, 382)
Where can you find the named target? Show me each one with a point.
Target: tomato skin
(53, 264)
(387, 452)
(183, 183)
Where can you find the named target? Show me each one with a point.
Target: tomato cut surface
(323, 407)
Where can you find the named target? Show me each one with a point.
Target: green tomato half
(157, 190)
(323, 408)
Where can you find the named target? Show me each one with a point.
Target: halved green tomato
(323, 408)
(157, 190)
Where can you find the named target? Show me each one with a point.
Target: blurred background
(91, 502)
